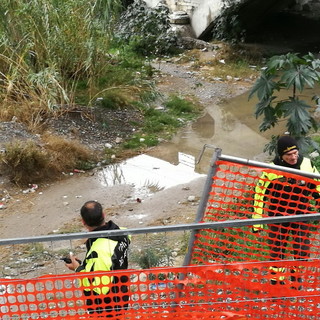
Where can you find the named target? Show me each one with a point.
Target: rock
(179, 17)
(192, 43)
(108, 145)
(118, 140)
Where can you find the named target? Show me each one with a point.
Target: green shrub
(179, 106)
(146, 29)
(157, 254)
(291, 74)
(228, 26)
(160, 124)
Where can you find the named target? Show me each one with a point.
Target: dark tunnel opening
(287, 32)
(277, 27)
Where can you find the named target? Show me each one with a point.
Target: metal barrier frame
(235, 223)
(194, 227)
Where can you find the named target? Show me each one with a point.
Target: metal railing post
(203, 202)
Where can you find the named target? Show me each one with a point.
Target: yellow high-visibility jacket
(264, 182)
(104, 254)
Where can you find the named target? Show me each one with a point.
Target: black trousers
(110, 305)
(278, 240)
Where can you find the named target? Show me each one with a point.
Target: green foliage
(146, 29)
(125, 78)
(229, 243)
(290, 73)
(157, 254)
(178, 106)
(162, 123)
(138, 141)
(228, 26)
(48, 47)
(157, 121)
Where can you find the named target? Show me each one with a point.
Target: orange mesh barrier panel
(219, 291)
(235, 273)
(232, 194)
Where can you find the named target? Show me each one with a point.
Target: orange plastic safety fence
(219, 291)
(244, 192)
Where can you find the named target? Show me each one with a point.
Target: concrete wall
(203, 12)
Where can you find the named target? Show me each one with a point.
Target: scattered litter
(33, 188)
(108, 145)
(139, 200)
(2, 206)
(78, 171)
(191, 198)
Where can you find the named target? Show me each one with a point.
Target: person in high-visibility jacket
(103, 254)
(279, 195)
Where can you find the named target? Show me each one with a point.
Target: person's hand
(74, 264)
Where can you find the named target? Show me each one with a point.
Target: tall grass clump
(48, 48)
(24, 162)
(27, 162)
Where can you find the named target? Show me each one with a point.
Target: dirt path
(56, 207)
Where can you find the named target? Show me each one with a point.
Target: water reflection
(204, 126)
(148, 174)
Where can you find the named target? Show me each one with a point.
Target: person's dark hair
(92, 213)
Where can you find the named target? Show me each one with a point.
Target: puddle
(243, 110)
(230, 126)
(148, 174)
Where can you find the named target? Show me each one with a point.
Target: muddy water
(230, 126)
(178, 161)
(148, 175)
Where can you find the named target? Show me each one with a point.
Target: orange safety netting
(231, 196)
(219, 291)
(235, 273)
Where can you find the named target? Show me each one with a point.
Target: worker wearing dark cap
(284, 194)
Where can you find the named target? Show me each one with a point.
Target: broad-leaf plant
(293, 73)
